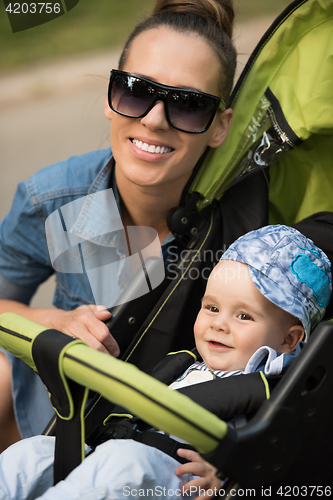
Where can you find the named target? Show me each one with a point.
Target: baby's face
(236, 319)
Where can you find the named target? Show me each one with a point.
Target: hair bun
(220, 10)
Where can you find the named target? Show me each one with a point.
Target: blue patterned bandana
(288, 269)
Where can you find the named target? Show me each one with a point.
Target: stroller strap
(134, 428)
(162, 442)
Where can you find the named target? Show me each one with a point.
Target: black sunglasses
(185, 110)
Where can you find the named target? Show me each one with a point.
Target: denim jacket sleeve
(24, 256)
(24, 260)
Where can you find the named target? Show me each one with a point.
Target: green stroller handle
(17, 335)
(122, 383)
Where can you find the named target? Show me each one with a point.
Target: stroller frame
(268, 451)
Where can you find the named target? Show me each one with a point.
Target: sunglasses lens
(190, 111)
(131, 96)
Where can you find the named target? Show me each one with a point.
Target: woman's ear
(221, 127)
(294, 335)
(107, 109)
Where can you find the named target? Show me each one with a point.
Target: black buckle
(117, 428)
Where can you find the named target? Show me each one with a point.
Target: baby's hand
(198, 467)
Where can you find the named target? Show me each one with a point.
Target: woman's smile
(153, 153)
(151, 148)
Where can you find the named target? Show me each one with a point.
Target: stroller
(282, 450)
(279, 147)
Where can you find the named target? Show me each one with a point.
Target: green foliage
(90, 26)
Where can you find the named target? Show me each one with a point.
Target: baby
(267, 293)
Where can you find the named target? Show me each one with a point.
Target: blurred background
(53, 80)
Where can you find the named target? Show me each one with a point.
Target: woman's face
(176, 59)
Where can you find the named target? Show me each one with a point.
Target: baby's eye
(212, 309)
(244, 317)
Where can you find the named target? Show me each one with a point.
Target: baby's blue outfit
(117, 467)
(25, 261)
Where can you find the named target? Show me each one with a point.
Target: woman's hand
(86, 323)
(197, 466)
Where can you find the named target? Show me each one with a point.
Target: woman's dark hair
(210, 19)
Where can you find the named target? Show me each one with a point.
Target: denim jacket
(25, 262)
(24, 255)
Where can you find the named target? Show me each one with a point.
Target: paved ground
(51, 112)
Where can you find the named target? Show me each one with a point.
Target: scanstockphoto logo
(23, 15)
(87, 237)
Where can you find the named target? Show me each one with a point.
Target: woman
(183, 52)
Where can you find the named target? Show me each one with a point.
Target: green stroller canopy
(283, 117)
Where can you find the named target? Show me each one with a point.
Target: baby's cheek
(250, 346)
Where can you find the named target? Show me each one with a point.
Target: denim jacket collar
(96, 217)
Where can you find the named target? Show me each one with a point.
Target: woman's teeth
(151, 148)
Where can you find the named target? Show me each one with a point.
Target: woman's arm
(85, 322)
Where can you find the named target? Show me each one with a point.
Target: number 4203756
(33, 8)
